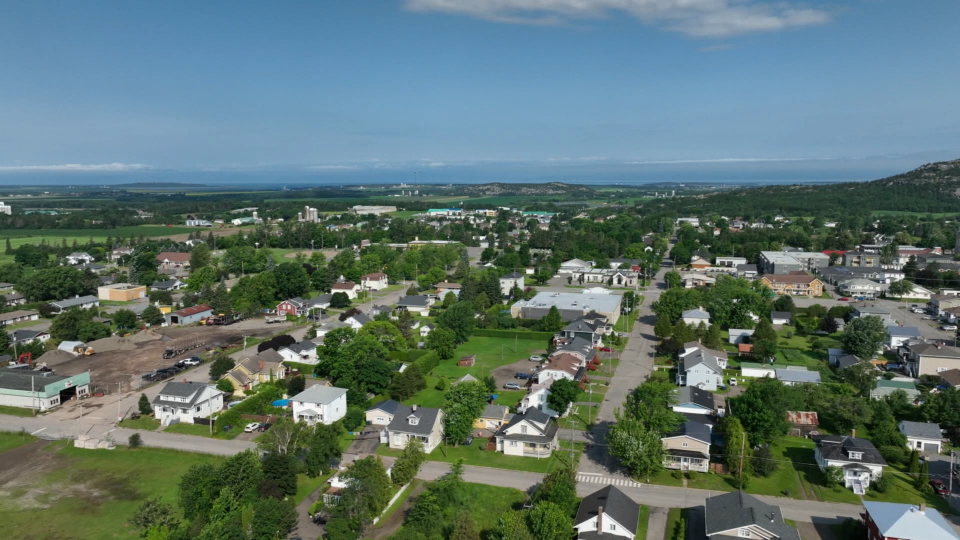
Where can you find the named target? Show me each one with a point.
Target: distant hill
(931, 188)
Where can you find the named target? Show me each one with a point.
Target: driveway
(366, 443)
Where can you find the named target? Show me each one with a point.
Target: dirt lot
(127, 359)
(505, 374)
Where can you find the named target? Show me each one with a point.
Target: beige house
(794, 284)
(382, 413)
(413, 422)
(492, 417)
(922, 358)
(531, 434)
(266, 366)
(688, 448)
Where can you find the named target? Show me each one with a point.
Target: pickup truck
(275, 319)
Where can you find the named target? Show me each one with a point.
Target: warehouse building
(570, 305)
(189, 315)
(121, 292)
(40, 390)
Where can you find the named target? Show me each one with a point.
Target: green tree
(273, 518)
(663, 329)
(784, 303)
(220, 365)
(154, 513)
(199, 257)
(449, 300)
(292, 280)
(125, 319)
(512, 526)
(559, 487)
(764, 340)
(67, 325)
(764, 464)
(281, 470)
(367, 493)
(862, 376)
(200, 278)
(339, 300)
(408, 383)
(323, 449)
(737, 451)
(225, 386)
(198, 488)
(362, 365)
(29, 255)
(712, 339)
(408, 464)
(651, 403)
(462, 405)
(386, 333)
(443, 341)
(762, 410)
(551, 322)
(673, 280)
(682, 333)
(864, 336)
(549, 521)
(639, 449)
(143, 405)
(464, 528)
(563, 392)
(151, 315)
(829, 325)
(459, 319)
(57, 283)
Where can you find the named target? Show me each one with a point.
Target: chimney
(923, 507)
(184, 379)
(414, 407)
(853, 432)
(600, 520)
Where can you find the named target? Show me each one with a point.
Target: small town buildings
(82, 302)
(22, 315)
(781, 317)
(418, 304)
(12, 299)
(739, 335)
(924, 437)
(509, 281)
(492, 417)
(798, 284)
(382, 413)
(872, 311)
(531, 434)
(688, 447)
(739, 515)
(349, 287)
(898, 335)
(692, 400)
(320, 405)
(570, 305)
(884, 388)
(181, 402)
(589, 328)
(563, 366)
(426, 329)
(747, 271)
(121, 292)
(859, 459)
(266, 366)
(412, 422)
(608, 511)
(896, 521)
(803, 423)
(198, 223)
(951, 377)
(362, 210)
(574, 266)
(693, 317)
(40, 390)
(731, 262)
(357, 320)
(782, 262)
(172, 260)
(79, 257)
(168, 285)
(794, 375)
(189, 315)
(374, 282)
(861, 288)
(445, 287)
(24, 336)
(923, 358)
(304, 352)
(699, 264)
(701, 367)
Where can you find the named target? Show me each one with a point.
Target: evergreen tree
(144, 405)
(682, 333)
(713, 340)
(663, 329)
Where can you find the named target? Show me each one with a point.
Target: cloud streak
(697, 18)
(78, 167)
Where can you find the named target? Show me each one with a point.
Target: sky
(327, 86)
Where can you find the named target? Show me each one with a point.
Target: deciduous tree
(408, 464)
(443, 341)
(462, 405)
(563, 392)
(864, 336)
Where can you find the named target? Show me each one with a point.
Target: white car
(192, 361)
(251, 427)
(733, 381)
(949, 327)
(536, 358)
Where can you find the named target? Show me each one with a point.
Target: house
(563, 366)
(924, 437)
(172, 259)
(168, 285)
(320, 405)
(13, 299)
(859, 459)
(898, 335)
(951, 377)
(884, 388)
(374, 282)
(82, 302)
(803, 423)
(412, 422)
(699, 263)
(781, 317)
(426, 329)
(925, 358)
(382, 413)
(348, 287)
(687, 448)
(293, 307)
(731, 262)
(467, 361)
(701, 367)
(321, 301)
(608, 511)
(492, 417)
(120, 252)
(799, 284)
(509, 281)
(896, 521)
(739, 335)
(266, 366)
(846, 361)
(304, 352)
(871, 311)
(418, 304)
(531, 434)
(357, 321)
(79, 257)
(794, 375)
(747, 271)
(21, 315)
(739, 515)
(536, 398)
(861, 288)
(589, 328)
(692, 400)
(693, 317)
(121, 292)
(783, 262)
(189, 315)
(181, 402)
(40, 390)
(570, 305)
(26, 335)
(574, 266)
(691, 280)
(445, 287)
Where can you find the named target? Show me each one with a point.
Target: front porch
(686, 461)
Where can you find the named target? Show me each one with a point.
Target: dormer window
(413, 420)
(523, 430)
(856, 455)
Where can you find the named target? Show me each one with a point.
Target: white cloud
(698, 18)
(78, 167)
(718, 160)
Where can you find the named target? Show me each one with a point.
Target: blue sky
(331, 85)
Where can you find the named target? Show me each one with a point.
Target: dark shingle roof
(921, 430)
(838, 448)
(847, 360)
(692, 394)
(389, 406)
(781, 315)
(427, 416)
(615, 503)
(414, 301)
(738, 509)
(534, 415)
(694, 430)
(186, 390)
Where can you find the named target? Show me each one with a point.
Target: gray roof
(798, 376)
(414, 301)
(838, 448)
(694, 430)
(186, 390)
(906, 521)
(746, 268)
(847, 360)
(361, 318)
(921, 430)
(698, 357)
(25, 379)
(165, 284)
(580, 325)
(615, 503)
(738, 509)
(76, 301)
(512, 275)
(781, 315)
(389, 406)
(903, 331)
(577, 345)
(534, 415)
(319, 394)
(695, 313)
(494, 411)
(302, 347)
(427, 416)
(25, 335)
(572, 302)
(692, 394)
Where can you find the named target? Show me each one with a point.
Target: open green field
(491, 354)
(18, 237)
(475, 454)
(9, 441)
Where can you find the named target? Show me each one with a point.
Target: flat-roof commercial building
(784, 262)
(39, 390)
(570, 305)
(121, 292)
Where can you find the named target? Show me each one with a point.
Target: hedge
(427, 361)
(487, 332)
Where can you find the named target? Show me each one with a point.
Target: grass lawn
(431, 397)
(644, 521)
(711, 481)
(674, 515)
(901, 490)
(144, 422)
(9, 441)
(400, 500)
(476, 455)
(664, 478)
(18, 237)
(204, 431)
(307, 485)
(486, 504)
(580, 417)
(784, 479)
(16, 411)
(491, 354)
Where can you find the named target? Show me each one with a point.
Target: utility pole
(743, 444)
(951, 472)
(119, 399)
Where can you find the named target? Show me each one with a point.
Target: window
(613, 526)
(513, 444)
(744, 533)
(523, 429)
(685, 444)
(856, 455)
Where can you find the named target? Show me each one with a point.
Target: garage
(40, 390)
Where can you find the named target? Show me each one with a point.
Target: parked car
(521, 375)
(949, 327)
(265, 426)
(844, 299)
(251, 427)
(733, 381)
(606, 349)
(536, 358)
(929, 318)
(512, 386)
(193, 361)
(939, 487)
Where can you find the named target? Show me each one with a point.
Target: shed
(467, 361)
(754, 369)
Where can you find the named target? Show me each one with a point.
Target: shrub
(135, 441)
(355, 418)
(833, 476)
(692, 475)
(893, 454)
(677, 474)
(441, 385)
(763, 462)
(881, 484)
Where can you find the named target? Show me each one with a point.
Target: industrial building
(570, 305)
(121, 292)
(38, 389)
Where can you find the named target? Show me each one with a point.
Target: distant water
(710, 173)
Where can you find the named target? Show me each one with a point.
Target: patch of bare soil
(507, 373)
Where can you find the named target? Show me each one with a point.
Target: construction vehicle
(183, 345)
(25, 358)
(84, 350)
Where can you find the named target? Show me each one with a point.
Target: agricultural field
(18, 237)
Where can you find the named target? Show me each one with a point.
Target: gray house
(702, 368)
(82, 302)
(739, 515)
(922, 436)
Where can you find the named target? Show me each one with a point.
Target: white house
(701, 367)
(349, 287)
(574, 265)
(509, 281)
(608, 511)
(531, 434)
(374, 282)
(692, 400)
(184, 401)
(739, 335)
(898, 335)
(79, 257)
(693, 317)
(781, 317)
(82, 302)
(357, 321)
(739, 515)
(412, 422)
(382, 413)
(859, 459)
(426, 329)
(924, 437)
(304, 352)
(536, 398)
(418, 304)
(320, 404)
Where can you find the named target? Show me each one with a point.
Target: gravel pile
(112, 343)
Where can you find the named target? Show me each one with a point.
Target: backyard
(476, 454)
(486, 504)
